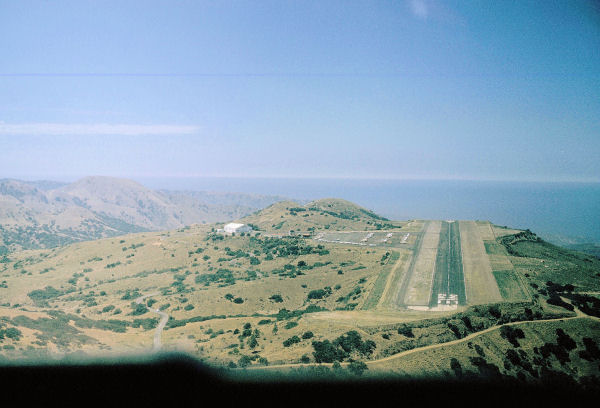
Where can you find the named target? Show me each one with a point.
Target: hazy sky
(394, 89)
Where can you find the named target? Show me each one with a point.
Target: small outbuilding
(234, 227)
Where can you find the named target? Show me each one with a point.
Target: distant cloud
(74, 129)
(419, 8)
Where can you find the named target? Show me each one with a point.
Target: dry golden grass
(486, 231)
(419, 288)
(389, 298)
(480, 285)
(147, 268)
(278, 218)
(502, 231)
(436, 360)
(172, 263)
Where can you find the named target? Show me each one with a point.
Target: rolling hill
(286, 303)
(323, 214)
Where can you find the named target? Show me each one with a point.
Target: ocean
(553, 210)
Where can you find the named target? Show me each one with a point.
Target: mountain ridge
(44, 214)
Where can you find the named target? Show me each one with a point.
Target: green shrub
(307, 335)
(11, 333)
(139, 309)
(107, 308)
(291, 340)
(342, 347)
(244, 361)
(357, 367)
(511, 334)
(41, 296)
(131, 294)
(327, 352)
(146, 324)
(405, 331)
(456, 367)
(252, 342)
(591, 351)
(319, 293)
(290, 325)
(495, 311)
(564, 340)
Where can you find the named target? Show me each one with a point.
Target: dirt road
(161, 325)
(374, 363)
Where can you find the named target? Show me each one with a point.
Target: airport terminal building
(234, 227)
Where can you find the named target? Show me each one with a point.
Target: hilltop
(323, 214)
(48, 214)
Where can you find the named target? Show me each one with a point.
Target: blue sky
(386, 89)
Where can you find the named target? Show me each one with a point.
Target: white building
(234, 227)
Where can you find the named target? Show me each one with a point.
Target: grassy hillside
(540, 262)
(257, 300)
(564, 351)
(199, 276)
(319, 215)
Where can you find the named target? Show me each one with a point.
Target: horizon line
(287, 74)
(73, 178)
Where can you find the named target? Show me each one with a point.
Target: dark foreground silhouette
(174, 378)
